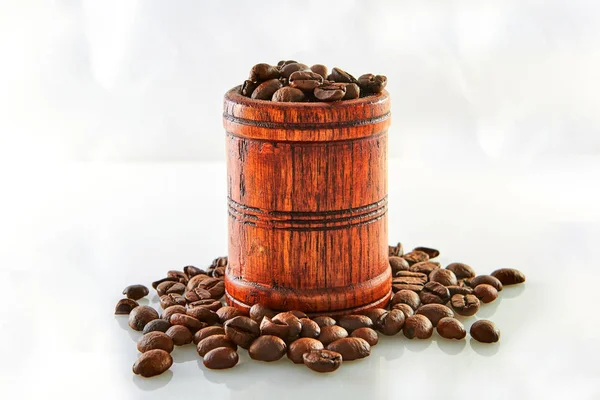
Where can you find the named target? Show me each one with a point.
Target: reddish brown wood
(307, 196)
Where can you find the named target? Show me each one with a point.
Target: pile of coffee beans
(426, 297)
(292, 81)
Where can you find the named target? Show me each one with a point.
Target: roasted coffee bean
(465, 304)
(288, 95)
(169, 311)
(135, 292)
(297, 348)
(212, 342)
(434, 292)
(288, 69)
(156, 325)
(227, 313)
(485, 279)
(396, 287)
(372, 83)
(215, 286)
(462, 271)
(197, 294)
(155, 340)
(258, 311)
(322, 360)
(330, 92)
(275, 328)
(485, 331)
(218, 272)
(352, 91)
(242, 331)
(267, 348)
(406, 297)
(396, 251)
(208, 331)
(219, 262)
(283, 63)
(188, 321)
(263, 72)
(367, 334)
(459, 290)
(140, 316)
(486, 293)
(299, 314)
(352, 322)
(331, 334)
(435, 312)
(295, 326)
(398, 264)
(409, 278)
(167, 279)
(320, 69)
(405, 308)
(152, 363)
(309, 328)
(418, 326)
(351, 348)
(306, 81)
(170, 287)
(265, 90)
(209, 304)
(180, 334)
(196, 280)
(425, 267)
(374, 313)
(124, 306)
(180, 275)
(339, 75)
(451, 328)
(443, 276)
(221, 358)
(172, 299)
(509, 276)
(432, 253)
(204, 315)
(415, 257)
(391, 322)
(192, 271)
(324, 320)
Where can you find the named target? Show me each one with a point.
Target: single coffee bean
(288, 69)
(283, 63)
(172, 299)
(443, 276)
(372, 83)
(330, 92)
(180, 275)
(197, 294)
(324, 320)
(406, 297)
(391, 322)
(339, 75)
(263, 72)
(330, 334)
(265, 90)
(209, 304)
(267, 348)
(485, 293)
(351, 348)
(465, 304)
(434, 292)
(398, 264)
(169, 311)
(309, 328)
(218, 272)
(367, 334)
(140, 316)
(221, 358)
(196, 280)
(242, 331)
(258, 311)
(352, 91)
(204, 315)
(155, 340)
(297, 348)
(322, 360)
(156, 325)
(124, 306)
(275, 328)
(180, 334)
(435, 312)
(169, 287)
(320, 69)
(215, 286)
(226, 313)
(396, 287)
(509, 276)
(425, 267)
(485, 331)
(409, 278)
(188, 321)
(418, 326)
(299, 314)
(462, 271)
(374, 313)
(432, 253)
(206, 332)
(396, 251)
(415, 257)
(219, 262)
(291, 320)
(405, 308)
(453, 289)
(192, 271)
(288, 95)
(212, 342)
(451, 328)
(485, 279)
(152, 363)
(158, 282)
(306, 81)
(135, 292)
(352, 322)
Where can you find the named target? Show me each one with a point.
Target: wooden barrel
(307, 193)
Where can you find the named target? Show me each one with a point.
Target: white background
(112, 172)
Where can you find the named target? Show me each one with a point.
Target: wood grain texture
(307, 194)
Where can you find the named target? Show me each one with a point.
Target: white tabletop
(74, 235)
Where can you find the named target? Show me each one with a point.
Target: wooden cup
(307, 193)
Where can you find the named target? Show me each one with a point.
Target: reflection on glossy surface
(154, 383)
(485, 349)
(450, 346)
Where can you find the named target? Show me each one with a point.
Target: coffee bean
(263, 72)
(167, 279)
(221, 358)
(435, 312)
(192, 271)
(172, 299)
(135, 292)
(140, 316)
(283, 63)
(212, 342)
(432, 253)
(509, 276)
(425, 267)
(227, 313)
(188, 321)
(197, 294)
(407, 280)
(374, 313)
(465, 304)
(462, 271)
(180, 275)
(306, 81)
(352, 91)
(258, 311)
(485, 293)
(288, 95)
(290, 68)
(331, 334)
(405, 308)
(391, 322)
(322, 360)
(204, 315)
(215, 286)
(156, 325)
(352, 322)
(339, 75)
(351, 348)
(459, 290)
(406, 297)
(242, 331)
(267, 348)
(396, 251)
(418, 326)
(398, 264)
(275, 328)
(330, 92)
(208, 331)
(485, 331)
(372, 83)
(152, 363)
(170, 287)
(485, 279)
(292, 321)
(451, 328)
(169, 311)
(367, 334)
(196, 280)
(443, 276)
(219, 262)
(180, 334)
(396, 287)
(320, 69)
(124, 306)
(434, 292)
(155, 340)
(309, 328)
(299, 314)
(324, 320)
(297, 348)
(416, 257)
(265, 90)
(209, 304)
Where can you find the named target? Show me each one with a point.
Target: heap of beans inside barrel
(425, 297)
(291, 81)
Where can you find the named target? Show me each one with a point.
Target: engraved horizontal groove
(308, 142)
(306, 125)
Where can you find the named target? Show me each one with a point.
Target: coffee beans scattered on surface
(155, 340)
(322, 360)
(451, 328)
(140, 316)
(351, 348)
(509, 276)
(124, 306)
(298, 347)
(135, 292)
(221, 358)
(267, 348)
(485, 331)
(152, 363)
